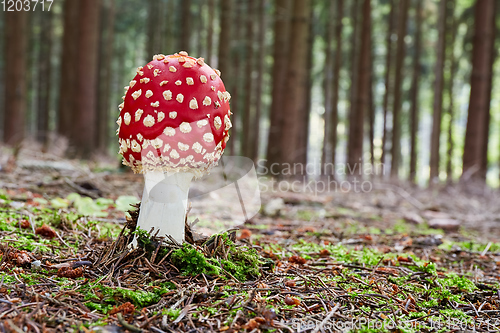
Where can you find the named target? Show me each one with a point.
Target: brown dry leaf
(292, 301)
(251, 325)
(25, 224)
(125, 308)
(270, 254)
(22, 258)
(324, 253)
(405, 259)
(245, 234)
(297, 260)
(307, 229)
(488, 306)
(389, 262)
(70, 273)
(406, 241)
(45, 231)
(262, 285)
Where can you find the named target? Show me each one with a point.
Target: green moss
(429, 268)
(111, 230)
(148, 244)
(9, 220)
(172, 313)
(143, 240)
(31, 279)
(162, 288)
(103, 308)
(401, 227)
(423, 229)
(242, 262)
(245, 261)
(260, 226)
(469, 245)
(26, 240)
(306, 215)
(192, 262)
(460, 282)
(456, 314)
(109, 296)
(428, 304)
(7, 279)
(139, 298)
(209, 309)
(47, 216)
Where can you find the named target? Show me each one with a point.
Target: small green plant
(172, 313)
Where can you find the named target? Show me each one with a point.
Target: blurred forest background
(409, 84)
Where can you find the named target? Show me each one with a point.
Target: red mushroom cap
(175, 116)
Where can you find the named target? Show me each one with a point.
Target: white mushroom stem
(164, 203)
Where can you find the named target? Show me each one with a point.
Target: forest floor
(396, 259)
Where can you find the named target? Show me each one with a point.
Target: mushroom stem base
(164, 203)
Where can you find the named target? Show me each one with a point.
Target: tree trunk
(226, 17)
(33, 36)
(154, 23)
(303, 139)
(260, 54)
(398, 79)
(296, 83)
(200, 30)
(438, 95)
(163, 14)
(44, 77)
(106, 55)
(2, 74)
(282, 23)
(169, 40)
(185, 33)
(235, 84)
(328, 81)
(479, 104)
(486, 133)
(210, 30)
(86, 81)
(414, 119)
(332, 137)
(15, 72)
(362, 99)
(67, 102)
(247, 139)
(387, 80)
(353, 88)
(371, 109)
(453, 64)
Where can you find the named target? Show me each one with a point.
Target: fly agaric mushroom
(173, 127)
